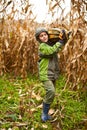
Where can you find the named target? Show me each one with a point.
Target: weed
(21, 108)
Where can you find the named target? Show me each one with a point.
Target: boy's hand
(63, 38)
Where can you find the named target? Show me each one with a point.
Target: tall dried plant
(19, 49)
(74, 55)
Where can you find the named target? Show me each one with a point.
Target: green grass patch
(20, 101)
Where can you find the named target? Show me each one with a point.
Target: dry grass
(19, 49)
(74, 56)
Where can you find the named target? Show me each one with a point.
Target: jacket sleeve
(49, 50)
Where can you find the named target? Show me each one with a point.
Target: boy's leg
(50, 92)
(48, 99)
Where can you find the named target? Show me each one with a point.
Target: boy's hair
(38, 31)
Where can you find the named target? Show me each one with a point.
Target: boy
(48, 67)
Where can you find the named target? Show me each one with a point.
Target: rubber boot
(45, 115)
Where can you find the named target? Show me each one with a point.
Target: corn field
(19, 49)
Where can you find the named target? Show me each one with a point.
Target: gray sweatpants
(49, 86)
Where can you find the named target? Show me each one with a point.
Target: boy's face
(43, 37)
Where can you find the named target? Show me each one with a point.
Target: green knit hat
(40, 30)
